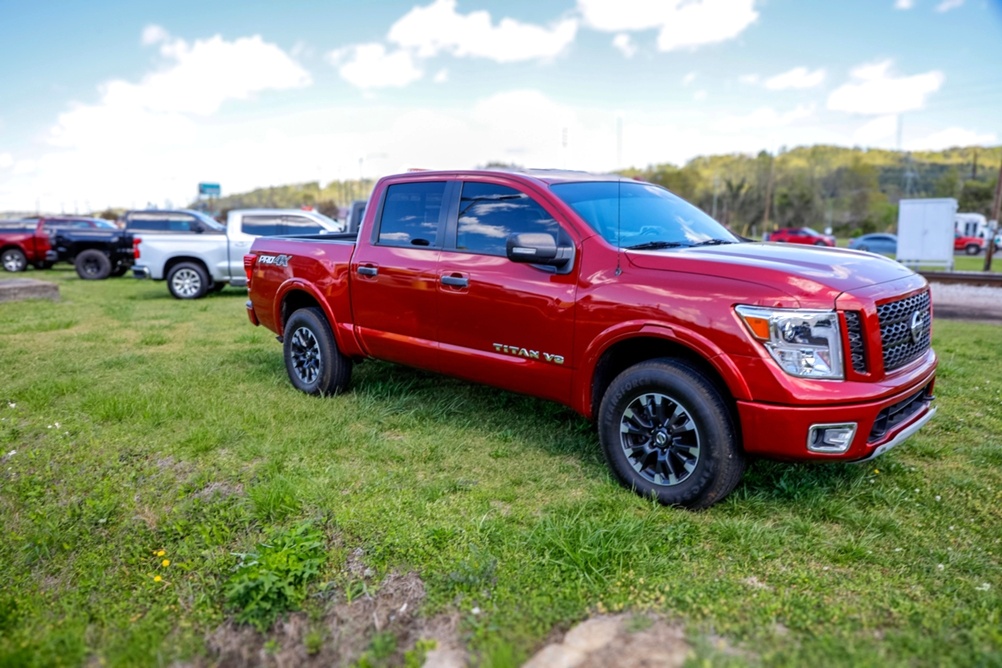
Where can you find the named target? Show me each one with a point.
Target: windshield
(209, 221)
(638, 215)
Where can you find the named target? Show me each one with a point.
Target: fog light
(830, 438)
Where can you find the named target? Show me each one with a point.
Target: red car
(690, 348)
(802, 235)
(969, 245)
(24, 242)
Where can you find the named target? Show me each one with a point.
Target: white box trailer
(925, 232)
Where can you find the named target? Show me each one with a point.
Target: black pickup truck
(97, 252)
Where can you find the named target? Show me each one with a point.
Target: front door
(506, 323)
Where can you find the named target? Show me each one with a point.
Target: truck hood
(808, 272)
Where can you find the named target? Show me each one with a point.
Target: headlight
(806, 344)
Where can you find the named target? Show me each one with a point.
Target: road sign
(210, 189)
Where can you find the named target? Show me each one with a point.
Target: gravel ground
(967, 302)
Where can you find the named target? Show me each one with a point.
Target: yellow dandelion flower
(157, 578)
(165, 563)
(161, 553)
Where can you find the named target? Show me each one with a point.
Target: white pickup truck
(197, 255)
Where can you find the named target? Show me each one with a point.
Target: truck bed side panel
(305, 267)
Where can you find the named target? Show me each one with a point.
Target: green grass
(132, 423)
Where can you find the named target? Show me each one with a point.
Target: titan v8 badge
(518, 351)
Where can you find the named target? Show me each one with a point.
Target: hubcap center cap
(661, 438)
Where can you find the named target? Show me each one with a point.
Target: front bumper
(783, 432)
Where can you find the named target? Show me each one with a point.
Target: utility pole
(996, 206)
(768, 193)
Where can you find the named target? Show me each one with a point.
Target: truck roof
(547, 176)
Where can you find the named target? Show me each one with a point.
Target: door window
(261, 225)
(489, 213)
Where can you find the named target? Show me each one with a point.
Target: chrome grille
(857, 351)
(897, 342)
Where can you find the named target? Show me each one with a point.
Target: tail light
(135, 247)
(249, 260)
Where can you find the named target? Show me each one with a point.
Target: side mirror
(538, 248)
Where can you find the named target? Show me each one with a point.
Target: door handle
(456, 281)
(368, 271)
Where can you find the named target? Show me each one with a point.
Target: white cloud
(682, 24)
(154, 34)
(139, 136)
(624, 43)
(688, 78)
(749, 79)
(765, 118)
(370, 66)
(439, 28)
(798, 77)
(699, 95)
(6, 160)
(904, 4)
(874, 91)
(947, 5)
(952, 137)
(441, 76)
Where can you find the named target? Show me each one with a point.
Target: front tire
(187, 280)
(13, 260)
(312, 359)
(92, 265)
(667, 433)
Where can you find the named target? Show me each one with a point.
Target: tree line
(851, 190)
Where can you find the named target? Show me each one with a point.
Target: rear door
(394, 274)
(507, 323)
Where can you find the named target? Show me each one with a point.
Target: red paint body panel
(31, 238)
(516, 326)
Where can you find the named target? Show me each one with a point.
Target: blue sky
(113, 103)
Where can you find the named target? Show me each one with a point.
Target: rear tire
(187, 280)
(667, 433)
(312, 359)
(13, 260)
(972, 249)
(92, 265)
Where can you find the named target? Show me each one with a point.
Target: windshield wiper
(654, 245)
(713, 242)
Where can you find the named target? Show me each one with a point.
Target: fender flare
(701, 346)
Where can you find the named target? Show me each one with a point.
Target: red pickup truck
(23, 243)
(690, 348)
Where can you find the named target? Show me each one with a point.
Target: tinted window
(265, 226)
(411, 213)
(628, 213)
(301, 225)
(488, 213)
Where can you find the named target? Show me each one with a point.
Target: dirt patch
(383, 624)
(624, 640)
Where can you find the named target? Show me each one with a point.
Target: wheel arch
(654, 342)
(176, 260)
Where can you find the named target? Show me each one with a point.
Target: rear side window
(301, 225)
(264, 226)
(166, 222)
(411, 213)
(488, 213)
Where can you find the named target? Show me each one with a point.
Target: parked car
(196, 255)
(77, 222)
(968, 245)
(24, 242)
(690, 349)
(884, 244)
(802, 235)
